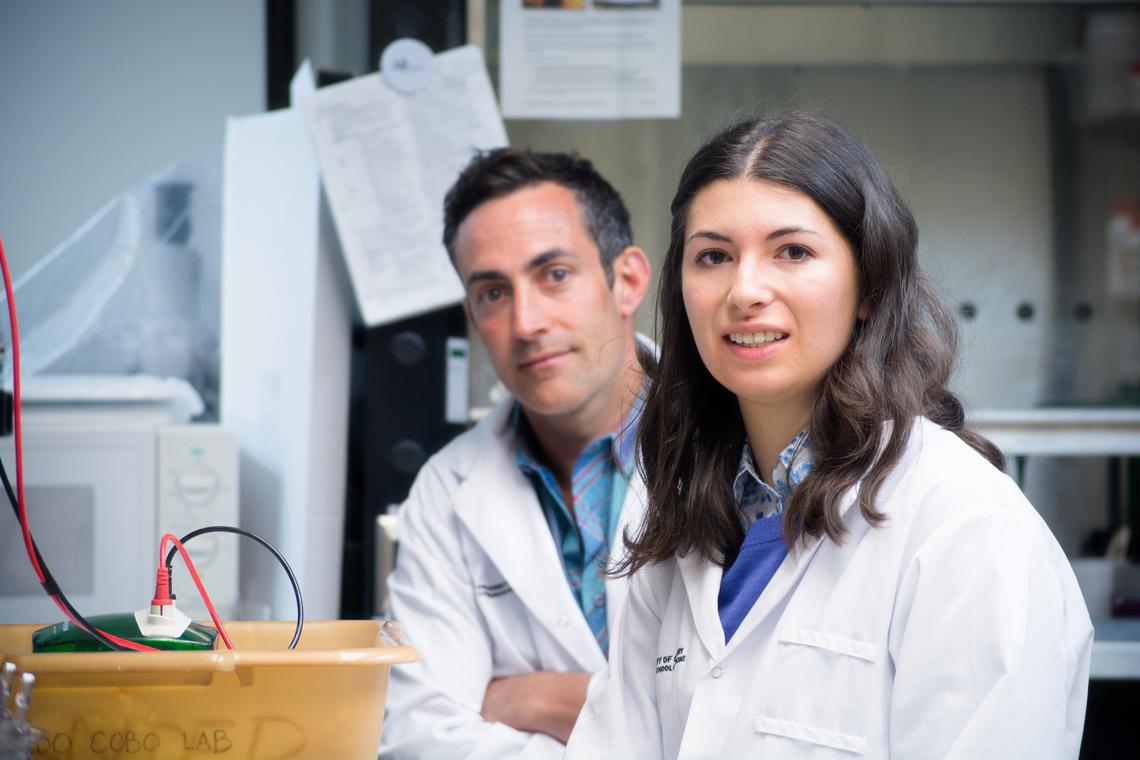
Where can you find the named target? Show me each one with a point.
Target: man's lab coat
(955, 630)
(480, 589)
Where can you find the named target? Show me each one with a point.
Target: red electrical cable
(18, 441)
(197, 582)
(16, 415)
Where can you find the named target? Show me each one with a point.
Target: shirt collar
(622, 439)
(754, 497)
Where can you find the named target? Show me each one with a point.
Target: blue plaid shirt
(600, 478)
(757, 499)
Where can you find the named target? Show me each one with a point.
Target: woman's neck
(770, 428)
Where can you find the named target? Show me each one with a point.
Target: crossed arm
(544, 702)
(450, 704)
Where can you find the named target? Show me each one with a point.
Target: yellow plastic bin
(323, 700)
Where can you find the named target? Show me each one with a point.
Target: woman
(831, 565)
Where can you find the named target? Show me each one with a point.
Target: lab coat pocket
(830, 642)
(855, 745)
(830, 699)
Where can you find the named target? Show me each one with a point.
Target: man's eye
(490, 295)
(712, 258)
(559, 274)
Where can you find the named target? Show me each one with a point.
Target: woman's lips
(755, 351)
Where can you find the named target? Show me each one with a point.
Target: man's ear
(467, 311)
(631, 279)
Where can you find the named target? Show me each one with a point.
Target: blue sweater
(742, 583)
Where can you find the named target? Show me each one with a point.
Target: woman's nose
(751, 285)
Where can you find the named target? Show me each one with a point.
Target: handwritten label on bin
(262, 738)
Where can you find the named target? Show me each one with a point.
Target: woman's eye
(559, 274)
(796, 252)
(712, 258)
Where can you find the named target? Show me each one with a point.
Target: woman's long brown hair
(896, 367)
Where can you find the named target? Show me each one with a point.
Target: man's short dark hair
(499, 172)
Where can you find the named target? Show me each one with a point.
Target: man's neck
(562, 438)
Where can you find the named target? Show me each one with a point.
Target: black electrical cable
(55, 590)
(50, 584)
(263, 542)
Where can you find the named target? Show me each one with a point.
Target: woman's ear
(631, 279)
(863, 313)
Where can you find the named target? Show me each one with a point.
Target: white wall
(95, 96)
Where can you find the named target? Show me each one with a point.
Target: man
(500, 577)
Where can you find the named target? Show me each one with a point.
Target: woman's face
(770, 290)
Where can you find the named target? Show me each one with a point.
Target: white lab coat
(954, 630)
(480, 589)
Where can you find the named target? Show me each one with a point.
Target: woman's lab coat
(954, 630)
(480, 588)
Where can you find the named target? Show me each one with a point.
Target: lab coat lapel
(781, 585)
(632, 515)
(785, 580)
(498, 506)
(631, 518)
(701, 579)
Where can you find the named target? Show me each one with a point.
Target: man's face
(537, 295)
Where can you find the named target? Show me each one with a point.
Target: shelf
(1116, 649)
(1061, 432)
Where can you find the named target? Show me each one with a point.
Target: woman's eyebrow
(781, 232)
(711, 236)
(788, 231)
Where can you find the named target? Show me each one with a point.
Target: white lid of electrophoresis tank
(123, 399)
